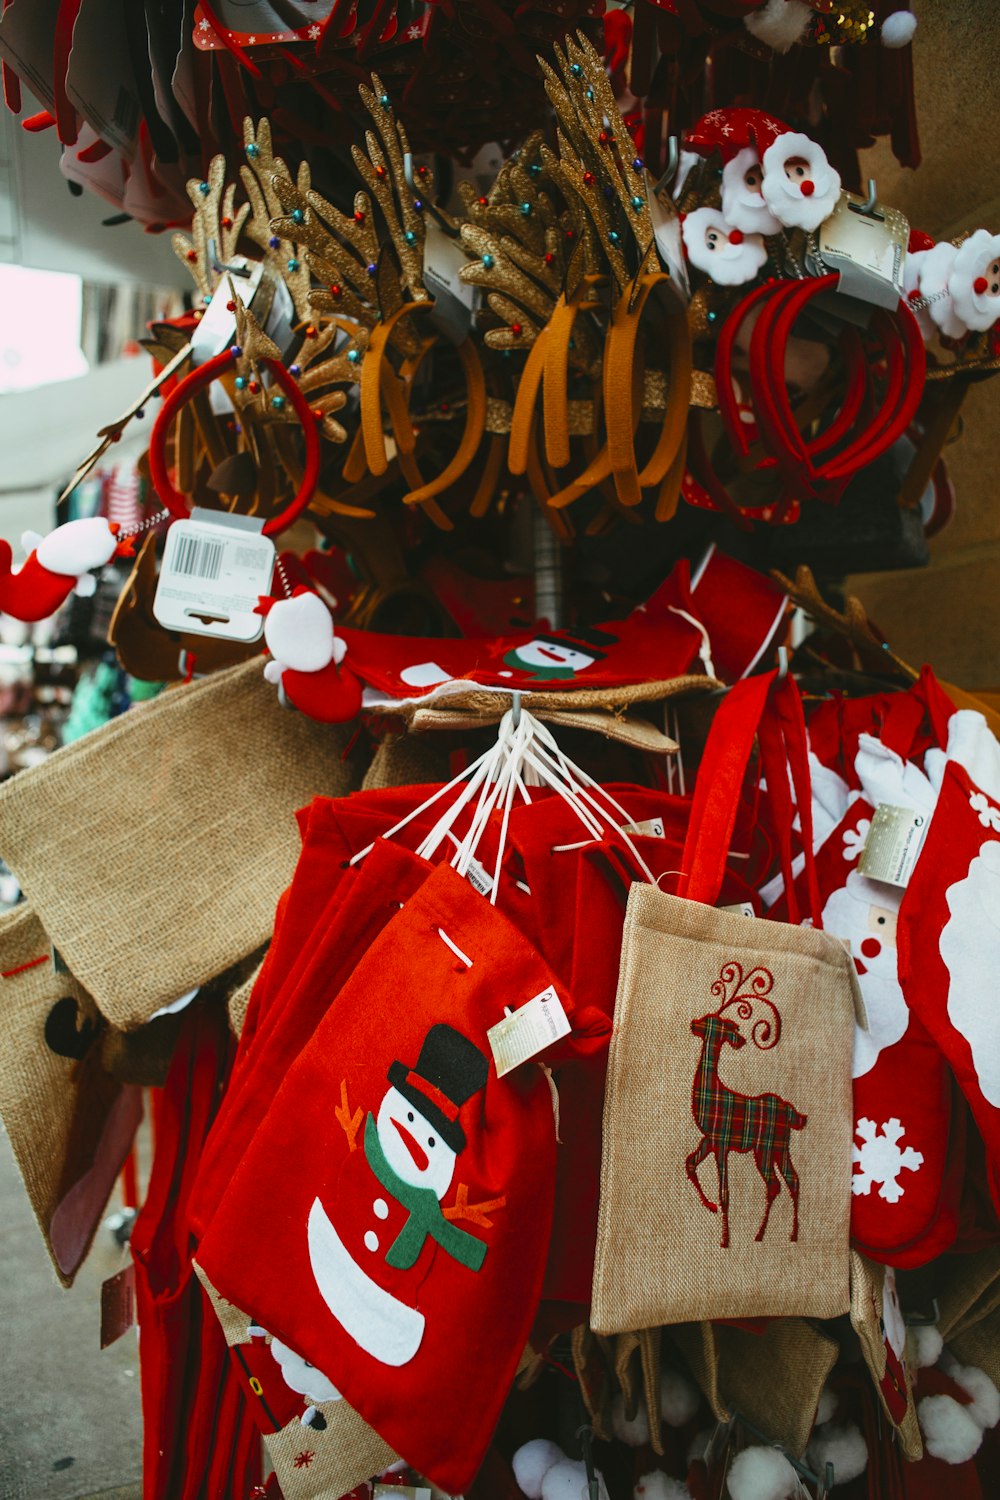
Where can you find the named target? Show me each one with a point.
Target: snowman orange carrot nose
(420, 1157)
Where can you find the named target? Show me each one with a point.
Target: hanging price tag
(117, 1305)
(528, 1031)
(893, 844)
(215, 568)
(651, 828)
(868, 249)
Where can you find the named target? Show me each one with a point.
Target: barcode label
(197, 557)
(126, 115)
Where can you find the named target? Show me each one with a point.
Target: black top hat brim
(450, 1131)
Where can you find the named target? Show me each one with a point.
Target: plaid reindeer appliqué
(737, 1122)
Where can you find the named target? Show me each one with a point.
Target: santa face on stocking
(390, 1212)
(743, 204)
(864, 914)
(723, 252)
(799, 187)
(970, 947)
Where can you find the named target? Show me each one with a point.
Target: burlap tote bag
(154, 849)
(319, 1446)
(731, 1046)
(70, 1123)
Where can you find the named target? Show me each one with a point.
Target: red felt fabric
(436, 1401)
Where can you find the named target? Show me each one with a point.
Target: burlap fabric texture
(70, 1123)
(725, 1179)
(154, 850)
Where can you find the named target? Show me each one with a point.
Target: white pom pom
(985, 1405)
(659, 1486)
(779, 24)
(568, 1481)
(85, 586)
(299, 632)
(950, 1433)
(762, 1474)
(633, 1433)
(827, 1407)
(898, 29)
(532, 1462)
(926, 1345)
(844, 1447)
(679, 1398)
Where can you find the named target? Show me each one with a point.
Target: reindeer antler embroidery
(741, 992)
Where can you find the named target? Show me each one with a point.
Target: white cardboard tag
(528, 1031)
(869, 250)
(479, 878)
(400, 1492)
(650, 828)
(740, 909)
(214, 569)
(455, 301)
(893, 844)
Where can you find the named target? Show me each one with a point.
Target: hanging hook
(585, 1434)
(673, 160)
(220, 265)
(515, 710)
(868, 207)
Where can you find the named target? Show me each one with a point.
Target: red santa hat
(799, 185)
(725, 254)
(730, 131)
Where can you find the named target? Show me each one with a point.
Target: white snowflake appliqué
(881, 1159)
(855, 839)
(989, 815)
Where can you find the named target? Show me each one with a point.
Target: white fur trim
(977, 310)
(299, 633)
(762, 1474)
(679, 1398)
(779, 24)
(77, 547)
(727, 264)
(842, 1446)
(933, 275)
(898, 29)
(783, 196)
(925, 1345)
(634, 1433)
(85, 586)
(950, 1432)
(985, 1405)
(741, 207)
(568, 1481)
(532, 1462)
(660, 1486)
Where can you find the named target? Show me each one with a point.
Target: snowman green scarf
(425, 1216)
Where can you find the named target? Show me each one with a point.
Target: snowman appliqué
(560, 657)
(410, 1151)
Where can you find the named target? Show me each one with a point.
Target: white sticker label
(528, 1031)
(211, 578)
(893, 844)
(478, 878)
(651, 828)
(400, 1491)
(455, 300)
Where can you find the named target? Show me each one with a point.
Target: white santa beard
(970, 947)
(437, 1174)
(933, 275)
(789, 206)
(738, 264)
(750, 213)
(888, 1018)
(975, 310)
(302, 1377)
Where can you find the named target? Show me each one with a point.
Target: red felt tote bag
(406, 1188)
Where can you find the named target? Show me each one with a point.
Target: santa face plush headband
(974, 283)
(727, 255)
(799, 185)
(742, 197)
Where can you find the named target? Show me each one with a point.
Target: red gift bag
(406, 1188)
(949, 924)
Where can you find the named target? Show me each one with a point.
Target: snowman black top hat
(587, 638)
(449, 1070)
